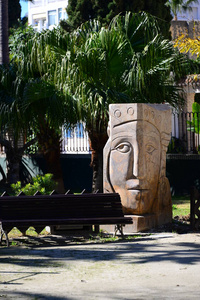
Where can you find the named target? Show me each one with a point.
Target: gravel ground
(157, 266)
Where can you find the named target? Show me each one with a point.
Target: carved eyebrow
(122, 137)
(125, 122)
(132, 121)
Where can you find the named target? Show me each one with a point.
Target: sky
(24, 6)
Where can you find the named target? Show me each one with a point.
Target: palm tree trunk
(49, 146)
(52, 159)
(13, 158)
(97, 143)
(4, 53)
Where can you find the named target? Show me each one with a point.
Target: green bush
(42, 183)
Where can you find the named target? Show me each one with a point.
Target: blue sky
(24, 6)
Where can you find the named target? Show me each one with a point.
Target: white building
(190, 15)
(46, 14)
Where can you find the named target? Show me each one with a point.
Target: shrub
(42, 183)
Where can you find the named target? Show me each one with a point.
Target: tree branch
(28, 144)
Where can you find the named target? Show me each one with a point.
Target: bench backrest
(60, 206)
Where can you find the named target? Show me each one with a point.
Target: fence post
(192, 202)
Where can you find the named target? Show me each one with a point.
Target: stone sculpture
(135, 159)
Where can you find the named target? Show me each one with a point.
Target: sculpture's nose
(138, 163)
(135, 162)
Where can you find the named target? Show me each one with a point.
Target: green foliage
(127, 62)
(13, 121)
(12, 114)
(44, 184)
(94, 66)
(18, 37)
(194, 125)
(14, 11)
(104, 10)
(37, 63)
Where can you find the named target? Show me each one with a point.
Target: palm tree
(11, 113)
(179, 6)
(4, 60)
(43, 103)
(127, 62)
(13, 123)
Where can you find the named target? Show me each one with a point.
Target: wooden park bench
(58, 209)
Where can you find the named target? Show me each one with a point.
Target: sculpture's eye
(123, 147)
(150, 149)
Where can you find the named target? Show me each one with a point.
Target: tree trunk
(49, 146)
(13, 158)
(52, 158)
(4, 52)
(97, 143)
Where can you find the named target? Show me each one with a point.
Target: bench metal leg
(119, 227)
(96, 228)
(6, 236)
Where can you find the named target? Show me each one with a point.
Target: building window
(52, 17)
(65, 15)
(59, 14)
(62, 14)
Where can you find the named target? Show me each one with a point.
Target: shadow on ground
(24, 295)
(50, 251)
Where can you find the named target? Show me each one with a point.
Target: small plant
(174, 207)
(42, 183)
(14, 243)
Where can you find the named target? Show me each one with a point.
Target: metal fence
(75, 140)
(185, 133)
(185, 136)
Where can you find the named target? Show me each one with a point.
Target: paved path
(160, 266)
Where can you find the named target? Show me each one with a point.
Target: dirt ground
(157, 266)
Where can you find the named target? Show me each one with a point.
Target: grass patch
(180, 206)
(31, 231)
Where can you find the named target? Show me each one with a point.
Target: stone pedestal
(140, 223)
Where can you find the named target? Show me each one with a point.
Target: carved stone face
(134, 165)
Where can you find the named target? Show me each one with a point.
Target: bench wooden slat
(88, 221)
